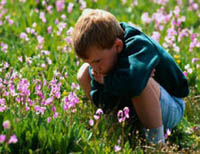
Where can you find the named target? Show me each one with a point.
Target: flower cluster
(70, 101)
(97, 116)
(123, 115)
(12, 139)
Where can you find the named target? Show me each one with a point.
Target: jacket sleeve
(105, 100)
(133, 71)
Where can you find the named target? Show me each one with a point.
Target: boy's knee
(83, 73)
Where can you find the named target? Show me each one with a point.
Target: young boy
(125, 66)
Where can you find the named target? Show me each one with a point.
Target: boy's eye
(97, 61)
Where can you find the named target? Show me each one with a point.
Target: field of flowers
(43, 109)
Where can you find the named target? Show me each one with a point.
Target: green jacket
(139, 57)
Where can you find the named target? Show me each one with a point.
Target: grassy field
(43, 109)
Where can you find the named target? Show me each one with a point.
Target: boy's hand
(98, 76)
(153, 72)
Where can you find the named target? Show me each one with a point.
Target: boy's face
(104, 60)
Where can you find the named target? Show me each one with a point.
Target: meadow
(42, 107)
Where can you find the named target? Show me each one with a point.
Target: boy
(125, 66)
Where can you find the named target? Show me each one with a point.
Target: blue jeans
(172, 109)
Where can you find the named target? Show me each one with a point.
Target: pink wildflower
(48, 119)
(145, 18)
(117, 148)
(122, 115)
(156, 36)
(24, 36)
(20, 58)
(60, 5)
(49, 9)
(2, 138)
(168, 133)
(40, 39)
(98, 114)
(39, 110)
(83, 4)
(75, 86)
(55, 115)
(49, 101)
(13, 139)
(49, 29)
(91, 122)
(3, 108)
(99, 111)
(126, 112)
(4, 47)
(70, 7)
(194, 60)
(70, 101)
(6, 124)
(23, 86)
(2, 101)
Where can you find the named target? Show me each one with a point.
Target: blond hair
(95, 28)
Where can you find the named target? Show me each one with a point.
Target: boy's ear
(118, 45)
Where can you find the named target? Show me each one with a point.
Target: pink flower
(48, 119)
(126, 112)
(123, 115)
(23, 86)
(91, 122)
(120, 116)
(168, 133)
(75, 86)
(49, 101)
(49, 29)
(60, 5)
(27, 108)
(96, 117)
(99, 111)
(49, 9)
(20, 58)
(63, 16)
(68, 39)
(66, 74)
(2, 101)
(55, 115)
(53, 108)
(98, 114)
(145, 18)
(83, 4)
(24, 36)
(40, 39)
(4, 47)
(194, 60)
(39, 110)
(156, 36)
(70, 101)
(135, 2)
(117, 148)
(2, 138)
(13, 139)
(6, 124)
(10, 21)
(70, 7)
(3, 108)
(124, 1)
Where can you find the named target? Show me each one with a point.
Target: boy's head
(96, 30)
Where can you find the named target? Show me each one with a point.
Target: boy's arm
(133, 72)
(102, 99)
